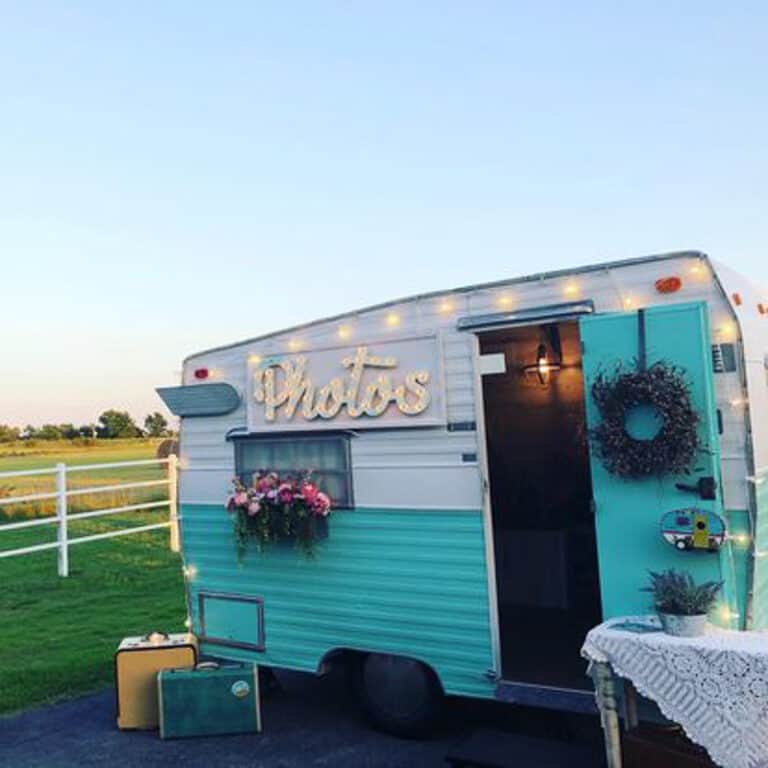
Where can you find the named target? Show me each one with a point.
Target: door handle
(706, 488)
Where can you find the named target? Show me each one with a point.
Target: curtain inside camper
(326, 457)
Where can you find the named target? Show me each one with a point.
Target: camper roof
(463, 289)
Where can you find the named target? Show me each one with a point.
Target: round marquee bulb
(571, 289)
(189, 571)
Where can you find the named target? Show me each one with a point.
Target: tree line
(111, 424)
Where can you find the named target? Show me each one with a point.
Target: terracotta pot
(684, 626)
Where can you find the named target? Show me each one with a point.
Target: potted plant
(682, 604)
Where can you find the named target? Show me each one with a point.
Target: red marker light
(201, 373)
(670, 284)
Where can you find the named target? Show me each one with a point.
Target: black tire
(400, 696)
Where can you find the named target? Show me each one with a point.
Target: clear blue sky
(178, 175)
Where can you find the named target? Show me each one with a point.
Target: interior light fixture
(544, 366)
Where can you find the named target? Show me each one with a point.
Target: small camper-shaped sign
(693, 529)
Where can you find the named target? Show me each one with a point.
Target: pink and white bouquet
(273, 508)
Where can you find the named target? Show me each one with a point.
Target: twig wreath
(663, 387)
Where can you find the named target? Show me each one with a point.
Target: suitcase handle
(206, 665)
(156, 636)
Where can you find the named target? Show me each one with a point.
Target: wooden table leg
(630, 706)
(605, 690)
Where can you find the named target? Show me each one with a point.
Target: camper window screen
(326, 457)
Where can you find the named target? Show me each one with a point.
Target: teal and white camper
(480, 528)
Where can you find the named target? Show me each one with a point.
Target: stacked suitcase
(159, 682)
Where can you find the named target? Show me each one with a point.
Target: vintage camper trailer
(480, 526)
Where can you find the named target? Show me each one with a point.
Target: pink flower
(253, 508)
(271, 494)
(321, 505)
(240, 499)
(309, 492)
(285, 493)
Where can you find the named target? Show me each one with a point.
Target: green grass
(59, 635)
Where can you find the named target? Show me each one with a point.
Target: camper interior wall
(404, 472)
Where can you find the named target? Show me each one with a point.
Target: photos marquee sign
(387, 384)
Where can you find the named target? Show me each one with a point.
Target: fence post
(173, 480)
(61, 515)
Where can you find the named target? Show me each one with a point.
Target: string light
(628, 302)
(295, 345)
(742, 539)
(738, 402)
(344, 332)
(727, 330)
(445, 306)
(571, 289)
(188, 623)
(189, 572)
(504, 301)
(726, 614)
(255, 359)
(698, 270)
(392, 319)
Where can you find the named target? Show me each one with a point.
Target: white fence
(61, 519)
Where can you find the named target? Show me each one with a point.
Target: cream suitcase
(137, 662)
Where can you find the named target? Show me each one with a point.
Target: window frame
(344, 437)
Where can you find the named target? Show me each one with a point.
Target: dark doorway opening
(541, 500)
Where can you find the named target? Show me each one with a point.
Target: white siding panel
(443, 488)
(205, 486)
(397, 466)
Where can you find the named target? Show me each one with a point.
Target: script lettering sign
(385, 384)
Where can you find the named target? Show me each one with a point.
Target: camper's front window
(327, 457)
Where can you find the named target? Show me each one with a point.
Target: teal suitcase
(208, 700)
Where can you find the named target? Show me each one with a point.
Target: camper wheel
(401, 696)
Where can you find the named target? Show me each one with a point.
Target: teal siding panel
(760, 584)
(408, 582)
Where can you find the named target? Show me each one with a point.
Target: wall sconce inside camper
(544, 367)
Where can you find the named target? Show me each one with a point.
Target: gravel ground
(308, 721)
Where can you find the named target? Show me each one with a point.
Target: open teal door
(629, 512)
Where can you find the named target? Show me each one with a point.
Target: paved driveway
(307, 722)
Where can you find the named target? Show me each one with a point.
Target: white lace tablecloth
(714, 686)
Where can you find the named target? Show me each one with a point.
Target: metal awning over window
(566, 311)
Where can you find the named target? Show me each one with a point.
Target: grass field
(58, 636)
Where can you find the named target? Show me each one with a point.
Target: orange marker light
(671, 284)
(736, 299)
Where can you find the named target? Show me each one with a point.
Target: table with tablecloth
(715, 686)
